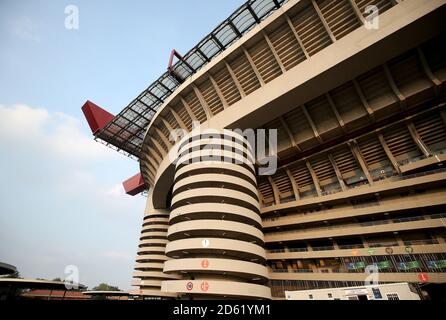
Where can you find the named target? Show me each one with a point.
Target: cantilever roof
(35, 283)
(7, 268)
(125, 132)
(106, 293)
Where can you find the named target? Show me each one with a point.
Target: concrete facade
(393, 291)
(361, 123)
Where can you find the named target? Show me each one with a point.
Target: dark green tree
(105, 287)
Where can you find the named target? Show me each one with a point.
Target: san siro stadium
(349, 96)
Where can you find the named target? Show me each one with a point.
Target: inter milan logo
(204, 286)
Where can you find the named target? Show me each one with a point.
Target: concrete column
(215, 229)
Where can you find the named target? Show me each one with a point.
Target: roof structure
(55, 294)
(125, 132)
(134, 185)
(35, 284)
(7, 268)
(105, 293)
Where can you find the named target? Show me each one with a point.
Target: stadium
(353, 93)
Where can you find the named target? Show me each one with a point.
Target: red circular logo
(189, 286)
(205, 263)
(204, 286)
(423, 277)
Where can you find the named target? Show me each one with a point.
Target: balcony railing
(383, 244)
(297, 249)
(366, 224)
(420, 242)
(357, 246)
(323, 248)
(388, 176)
(351, 246)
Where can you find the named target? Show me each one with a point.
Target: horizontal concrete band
(425, 200)
(154, 275)
(208, 169)
(242, 249)
(151, 249)
(155, 227)
(148, 242)
(216, 156)
(216, 209)
(353, 230)
(215, 228)
(217, 192)
(215, 152)
(217, 167)
(164, 222)
(217, 287)
(359, 191)
(150, 283)
(153, 293)
(222, 266)
(224, 134)
(210, 142)
(360, 276)
(155, 220)
(149, 265)
(150, 258)
(358, 252)
(152, 215)
(153, 234)
(224, 180)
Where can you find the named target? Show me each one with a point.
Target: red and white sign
(189, 286)
(423, 277)
(204, 286)
(205, 263)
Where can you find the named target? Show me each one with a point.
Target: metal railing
(367, 224)
(357, 246)
(127, 129)
(351, 246)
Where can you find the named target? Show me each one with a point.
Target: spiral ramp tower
(215, 232)
(150, 259)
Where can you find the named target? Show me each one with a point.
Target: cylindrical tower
(150, 256)
(215, 233)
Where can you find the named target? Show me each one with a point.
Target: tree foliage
(105, 287)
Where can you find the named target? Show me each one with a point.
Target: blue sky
(61, 199)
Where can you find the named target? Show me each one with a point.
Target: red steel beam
(97, 117)
(134, 185)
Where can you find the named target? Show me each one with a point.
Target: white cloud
(117, 190)
(56, 134)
